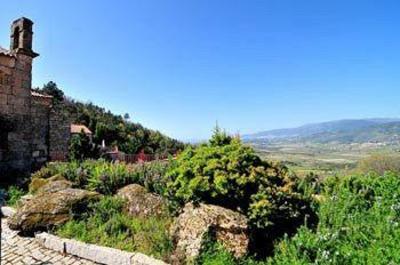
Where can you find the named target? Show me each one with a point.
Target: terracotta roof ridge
(37, 94)
(78, 128)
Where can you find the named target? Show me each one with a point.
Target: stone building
(32, 131)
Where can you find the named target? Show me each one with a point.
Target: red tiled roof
(78, 128)
(38, 95)
(41, 98)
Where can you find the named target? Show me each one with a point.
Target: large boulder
(141, 203)
(195, 224)
(46, 210)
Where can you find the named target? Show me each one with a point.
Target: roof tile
(78, 128)
(39, 95)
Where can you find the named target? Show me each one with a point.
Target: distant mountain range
(340, 131)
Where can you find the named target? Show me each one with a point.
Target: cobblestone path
(24, 250)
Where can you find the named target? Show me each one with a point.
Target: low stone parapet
(98, 254)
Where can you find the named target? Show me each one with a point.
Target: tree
(227, 173)
(52, 89)
(81, 147)
(220, 137)
(119, 130)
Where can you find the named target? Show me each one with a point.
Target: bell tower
(21, 37)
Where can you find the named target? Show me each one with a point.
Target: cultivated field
(322, 159)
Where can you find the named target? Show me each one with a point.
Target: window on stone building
(16, 38)
(3, 140)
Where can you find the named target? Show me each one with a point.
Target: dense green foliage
(81, 147)
(14, 194)
(106, 177)
(52, 89)
(358, 224)
(225, 172)
(105, 224)
(114, 129)
(215, 254)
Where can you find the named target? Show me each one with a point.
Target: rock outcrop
(192, 227)
(54, 186)
(141, 203)
(46, 210)
(38, 183)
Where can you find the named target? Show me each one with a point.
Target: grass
(105, 224)
(14, 195)
(215, 254)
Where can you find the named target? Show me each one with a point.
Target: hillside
(377, 133)
(130, 137)
(341, 131)
(328, 146)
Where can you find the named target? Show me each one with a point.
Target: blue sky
(180, 66)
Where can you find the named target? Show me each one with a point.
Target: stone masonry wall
(31, 129)
(40, 112)
(60, 121)
(15, 104)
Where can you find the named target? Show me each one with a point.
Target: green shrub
(215, 254)
(81, 148)
(107, 177)
(359, 224)
(67, 170)
(105, 224)
(14, 194)
(227, 173)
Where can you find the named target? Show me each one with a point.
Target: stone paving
(17, 250)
